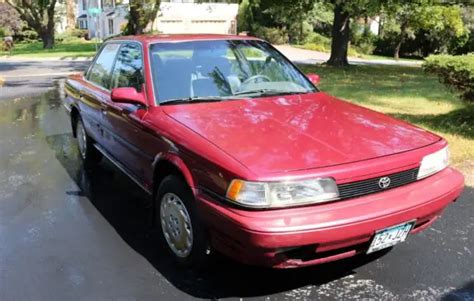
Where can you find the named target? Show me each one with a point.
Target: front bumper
(303, 236)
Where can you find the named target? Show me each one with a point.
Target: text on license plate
(391, 236)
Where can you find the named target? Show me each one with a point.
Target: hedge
(457, 72)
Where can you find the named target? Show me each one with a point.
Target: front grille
(355, 189)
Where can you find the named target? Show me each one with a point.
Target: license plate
(391, 236)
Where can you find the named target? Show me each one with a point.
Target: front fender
(178, 164)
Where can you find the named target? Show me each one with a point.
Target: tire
(180, 229)
(88, 153)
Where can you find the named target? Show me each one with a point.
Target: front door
(95, 91)
(125, 120)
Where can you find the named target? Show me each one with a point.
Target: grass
(406, 93)
(71, 48)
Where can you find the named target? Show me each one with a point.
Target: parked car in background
(243, 154)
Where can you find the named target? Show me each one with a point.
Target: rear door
(95, 91)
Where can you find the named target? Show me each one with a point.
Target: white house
(102, 18)
(186, 16)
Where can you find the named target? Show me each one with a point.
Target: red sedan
(243, 154)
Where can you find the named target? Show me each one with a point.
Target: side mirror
(128, 95)
(314, 78)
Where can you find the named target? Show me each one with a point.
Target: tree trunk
(70, 14)
(134, 23)
(396, 51)
(48, 39)
(340, 37)
(139, 17)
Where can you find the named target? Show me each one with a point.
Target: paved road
(20, 77)
(69, 234)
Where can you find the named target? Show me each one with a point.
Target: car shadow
(127, 208)
(465, 292)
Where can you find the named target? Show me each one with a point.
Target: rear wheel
(182, 232)
(87, 151)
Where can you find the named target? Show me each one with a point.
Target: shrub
(362, 38)
(273, 35)
(299, 32)
(457, 72)
(72, 34)
(79, 33)
(27, 35)
(316, 38)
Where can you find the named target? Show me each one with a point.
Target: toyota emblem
(384, 182)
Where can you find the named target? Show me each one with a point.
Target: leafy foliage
(141, 14)
(457, 72)
(10, 21)
(287, 17)
(273, 35)
(433, 27)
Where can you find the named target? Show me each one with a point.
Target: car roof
(150, 39)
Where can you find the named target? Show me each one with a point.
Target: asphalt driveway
(70, 234)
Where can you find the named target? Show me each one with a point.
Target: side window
(101, 70)
(128, 71)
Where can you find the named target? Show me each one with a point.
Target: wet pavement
(24, 77)
(70, 234)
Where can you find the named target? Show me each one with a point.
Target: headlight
(433, 163)
(282, 194)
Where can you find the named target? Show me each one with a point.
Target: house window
(84, 4)
(82, 23)
(111, 26)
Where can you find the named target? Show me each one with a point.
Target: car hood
(297, 132)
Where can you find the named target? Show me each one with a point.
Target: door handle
(103, 111)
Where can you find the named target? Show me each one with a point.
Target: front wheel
(182, 232)
(87, 151)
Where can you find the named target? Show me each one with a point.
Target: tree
(70, 14)
(142, 12)
(9, 19)
(290, 15)
(39, 15)
(437, 25)
(344, 10)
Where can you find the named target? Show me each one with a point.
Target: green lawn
(406, 93)
(71, 48)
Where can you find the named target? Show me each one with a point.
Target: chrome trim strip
(68, 108)
(121, 168)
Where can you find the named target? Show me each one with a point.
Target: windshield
(222, 69)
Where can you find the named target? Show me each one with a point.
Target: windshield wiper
(267, 92)
(198, 99)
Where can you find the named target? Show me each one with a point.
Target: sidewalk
(7, 58)
(304, 56)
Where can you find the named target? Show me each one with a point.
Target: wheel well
(163, 169)
(74, 118)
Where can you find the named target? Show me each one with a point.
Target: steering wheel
(255, 77)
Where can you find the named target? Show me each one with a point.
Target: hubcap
(176, 225)
(81, 139)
